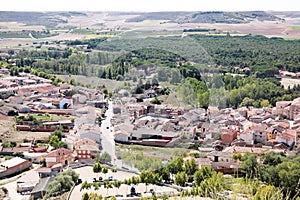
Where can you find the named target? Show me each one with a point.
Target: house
(35, 157)
(260, 132)
(121, 136)
(62, 155)
(85, 148)
(288, 137)
(246, 137)
(10, 151)
(288, 109)
(28, 181)
(89, 131)
(202, 162)
(229, 136)
(13, 166)
(220, 156)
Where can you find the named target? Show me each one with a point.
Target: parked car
(110, 178)
(79, 181)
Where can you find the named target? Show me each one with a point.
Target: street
(107, 138)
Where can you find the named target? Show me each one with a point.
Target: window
(79, 152)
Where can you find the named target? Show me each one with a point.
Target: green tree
(147, 177)
(105, 170)
(202, 174)
(176, 165)
(103, 158)
(181, 178)
(54, 141)
(249, 165)
(210, 187)
(85, 196)
(97, 168)
(190, 167)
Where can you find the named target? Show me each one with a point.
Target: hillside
(206, 17)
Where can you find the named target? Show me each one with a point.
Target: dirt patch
(8, 132)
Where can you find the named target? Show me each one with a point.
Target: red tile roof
(59, 152)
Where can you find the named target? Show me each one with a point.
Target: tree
(103, 158)
(105, 170)
(54, 141)
(176, 165)
(268, 192)
(181, 178)
(147, 177)
(61, 183)
(97, 168)
(165, 174)
(85, 196)
(117, 184)
(249, 165)
(265, 103)
(202, 174)
(210, 187)
(190, 167)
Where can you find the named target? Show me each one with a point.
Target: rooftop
(13, 162)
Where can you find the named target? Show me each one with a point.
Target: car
(95, 180)
(110, 178)
(107, 127)
(79, 181)
(100, 179)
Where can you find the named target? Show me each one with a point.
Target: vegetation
(275, 170)
(103, 158)
(55, 139)
(63, 182)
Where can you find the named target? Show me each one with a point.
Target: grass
(93, 81)
(13, 35)
(88, 37)
(83, 31)
(158, 152)
(294, 27)
(50, 117)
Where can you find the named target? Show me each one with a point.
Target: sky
(149, 5)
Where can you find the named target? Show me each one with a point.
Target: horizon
(150, 6)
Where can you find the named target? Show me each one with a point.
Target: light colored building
(13, 166)
(121, 136)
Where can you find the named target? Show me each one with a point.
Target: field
(93, 81)
(70, 26)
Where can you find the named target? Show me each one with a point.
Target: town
(129, 104)
(85, 122)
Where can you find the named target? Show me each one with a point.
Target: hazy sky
(148, 5)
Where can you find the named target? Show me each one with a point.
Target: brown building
(62, 155)
(229, 136)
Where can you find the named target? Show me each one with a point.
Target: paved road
(108, 143)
